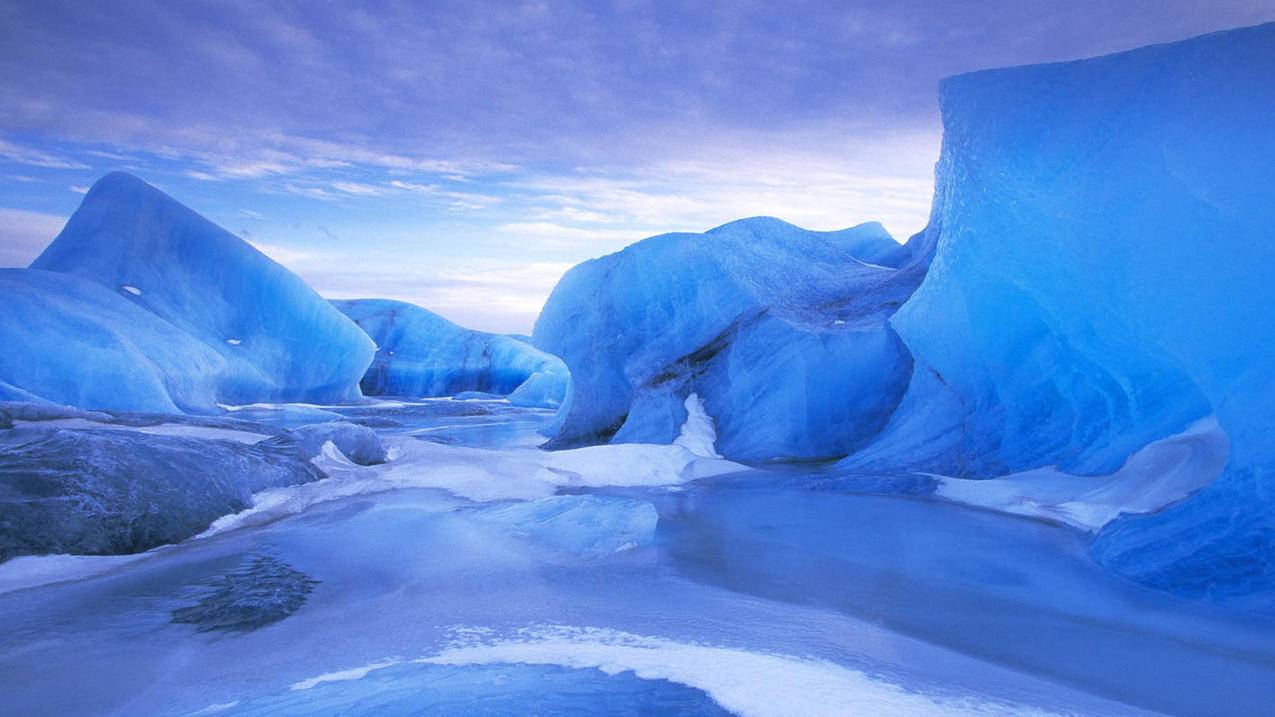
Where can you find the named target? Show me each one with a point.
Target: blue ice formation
(255, 328)
(1103, 234)
(69, 340)
(421, 354)
(782, 332)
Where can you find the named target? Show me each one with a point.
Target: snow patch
(480, 475)
(180, 430)
(699, 434)
(1162, 473)
(754, 684)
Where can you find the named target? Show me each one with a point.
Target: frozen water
(727, 593)
(242, 323)
(421, 354)
(781, 331)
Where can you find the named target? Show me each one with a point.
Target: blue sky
(463, 155)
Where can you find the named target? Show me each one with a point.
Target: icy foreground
(782, 333)
(223, 323)
(473, 573)
(421, 354)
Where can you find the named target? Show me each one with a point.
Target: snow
(161, 429)
(743, 316)
(480, 475)
(421, 354)
(31, 571)
(1162, 473)
(203, 284)
(698, 434)
(793, 685)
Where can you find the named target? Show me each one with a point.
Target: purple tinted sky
(462, 155)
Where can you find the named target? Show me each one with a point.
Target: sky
(463, 155)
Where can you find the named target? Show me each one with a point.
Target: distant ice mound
(421, 354)
(781, 332)
(1104, 234)
(267, 335)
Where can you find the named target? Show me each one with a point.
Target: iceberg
(1102, 238)
(782, 332)
(68, 340)
(421, 354)
(245, 323)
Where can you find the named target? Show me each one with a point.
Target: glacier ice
(70, 341)
(421, 354)
(229, 324)
(1102, 237)
(782, 332)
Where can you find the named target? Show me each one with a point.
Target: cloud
(24, 234)
(25, 155)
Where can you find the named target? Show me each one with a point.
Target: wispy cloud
(35, 158)
(24, 234)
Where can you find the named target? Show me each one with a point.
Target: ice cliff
(419, 353)
(1103, 234)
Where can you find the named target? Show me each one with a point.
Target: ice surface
(421, 354)
(253, 329)
(359, 444)
(108, 492)
(586, 525)
(781, 331)
(1101, 280)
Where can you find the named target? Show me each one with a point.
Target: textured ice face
(1103, 231)
(421, 354)
(109, 492)
(266, 335)
(781, 331)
